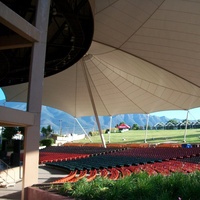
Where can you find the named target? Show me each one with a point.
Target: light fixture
(66, 27)
(54, 11)
(72, 39)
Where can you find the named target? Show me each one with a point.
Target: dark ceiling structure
(70, 33)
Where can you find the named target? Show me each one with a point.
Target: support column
(186, 123)
(32, 133)
(147, 124)
(93, 105)
(83, 129)
(110, 129)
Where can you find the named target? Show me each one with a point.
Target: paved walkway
(45, 175)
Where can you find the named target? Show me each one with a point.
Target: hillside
(59, 119)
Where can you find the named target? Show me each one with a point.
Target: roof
(143, 57)
(123, 126)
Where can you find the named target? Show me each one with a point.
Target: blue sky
(194, 114)
(2, 96)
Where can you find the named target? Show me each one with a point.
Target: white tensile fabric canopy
(128, 86)
(145, 57)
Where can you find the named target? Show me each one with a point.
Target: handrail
(7, 167)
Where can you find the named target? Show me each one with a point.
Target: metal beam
(186, 124)
(18, 24)
(93, 104)
(83, 129)
(13, 117)
(14, 42)
(147, 124)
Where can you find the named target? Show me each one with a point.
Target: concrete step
(4, 184)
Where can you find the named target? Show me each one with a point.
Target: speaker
(4, 145)
(16, 147)
(15, 159)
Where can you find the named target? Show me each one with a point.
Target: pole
(110, 129)
(60, 126)
(1, 130)
(145, 139)
(83, 129)
(93, 104)
(185, 133)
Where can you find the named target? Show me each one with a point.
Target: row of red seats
(62, 153)
(160, 153)
(114, 173)
(65, 179)
(58, 157)
(74, 176)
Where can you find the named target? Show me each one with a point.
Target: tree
(135, 127)
(148, 127)
(21, 129)
(173, 121)
(46, 131)
(186, 121)
(9, 132)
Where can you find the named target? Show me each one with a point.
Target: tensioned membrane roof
(144, 57)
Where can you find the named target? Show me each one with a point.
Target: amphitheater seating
(169, 145)
(81, 175)
(124, 171)
(139, 145)
(71, 175)
(71, 152)
(114, 174)
(92, 175)
(165, 168)
(114, 163)
(103, 173)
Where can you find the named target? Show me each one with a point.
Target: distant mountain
(61, 120)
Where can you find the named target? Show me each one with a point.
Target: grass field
(153, 136)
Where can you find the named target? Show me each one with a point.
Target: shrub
(47, 142)
(54, 136)
(93, 133)
(138, 186)
(114, 130)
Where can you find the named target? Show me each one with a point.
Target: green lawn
(153, 136)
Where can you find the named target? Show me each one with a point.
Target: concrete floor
(46, 174)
